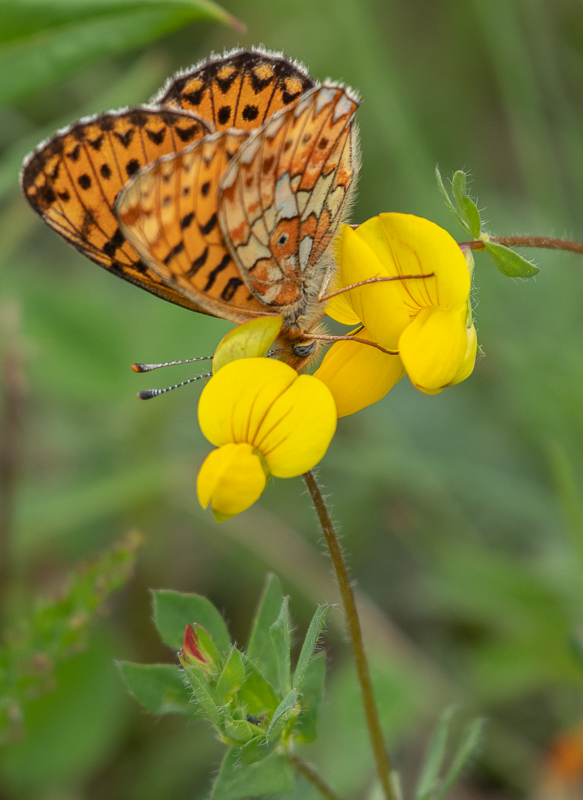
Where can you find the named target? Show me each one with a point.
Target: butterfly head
(296, 346)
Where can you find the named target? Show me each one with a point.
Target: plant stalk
(546, 242)
(348, 601)
(310, 774)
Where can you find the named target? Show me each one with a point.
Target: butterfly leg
(325, 297)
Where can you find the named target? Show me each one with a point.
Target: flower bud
(199, 650)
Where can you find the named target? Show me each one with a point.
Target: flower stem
(310, 774)
(528, 241)
(372, 718)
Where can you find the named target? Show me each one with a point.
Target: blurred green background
(461, 512)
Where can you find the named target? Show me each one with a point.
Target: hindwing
(283, 196)
(239, 90)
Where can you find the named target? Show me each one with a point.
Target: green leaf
(236, 780)
(434, 757)
(231, 679)
(445, 194)
(509, 263)
(468, 745)
(280, 636)
(288, 702)
(306, 729)
(466, 206)
(258, 696)
(261, 650)
(45, 41)
(173, 611)
(310, 642)
(160, 688)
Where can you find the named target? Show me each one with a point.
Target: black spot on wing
(224, 114)
(157, 137)
(250, 112)
(125, 139)
(216, 271)
(198, 262)
(208, 226)
(230, 289)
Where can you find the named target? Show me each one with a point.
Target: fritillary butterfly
(239, 176)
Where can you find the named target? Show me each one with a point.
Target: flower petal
(252, 339)
(298, 427)
(358, 375)
(231, 479)
(469, 360)
(433, 348)
(235, 401)
(379, 306)
(416, 245)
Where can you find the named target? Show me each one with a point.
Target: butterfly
(222, 196)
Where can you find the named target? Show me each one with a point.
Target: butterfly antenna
(147, 394)
(150, 367)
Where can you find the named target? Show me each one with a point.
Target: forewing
(240, 90)
(73, 179)
(282, 197)
(169, 214)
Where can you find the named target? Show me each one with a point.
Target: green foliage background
(461, 512)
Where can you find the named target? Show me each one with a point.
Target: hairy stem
(372, 717)
(528, 241)
(310, 774)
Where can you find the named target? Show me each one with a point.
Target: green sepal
(231, 678)
(288, 703)
(466, 207)
(173, 611)
(160, 688)
(509, 262)
(203, 697)
(236, 780)
(261, 650)
(310, 642)
(306, 728)
(281, 638)
(257, 695)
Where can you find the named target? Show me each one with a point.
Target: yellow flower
(265, 420)
(426, 320)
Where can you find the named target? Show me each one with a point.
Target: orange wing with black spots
(240, 90)
(72, 181)
(283, 196)
(169, 214)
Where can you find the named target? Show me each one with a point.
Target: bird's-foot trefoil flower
(425, 320)
(264, 419)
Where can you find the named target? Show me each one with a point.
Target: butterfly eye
(283, 239)
(305, 350)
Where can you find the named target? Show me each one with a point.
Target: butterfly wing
(169, 214)
(72, 180)
(283, 195)
(240, 90)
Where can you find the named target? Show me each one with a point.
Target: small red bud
(190, 648)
